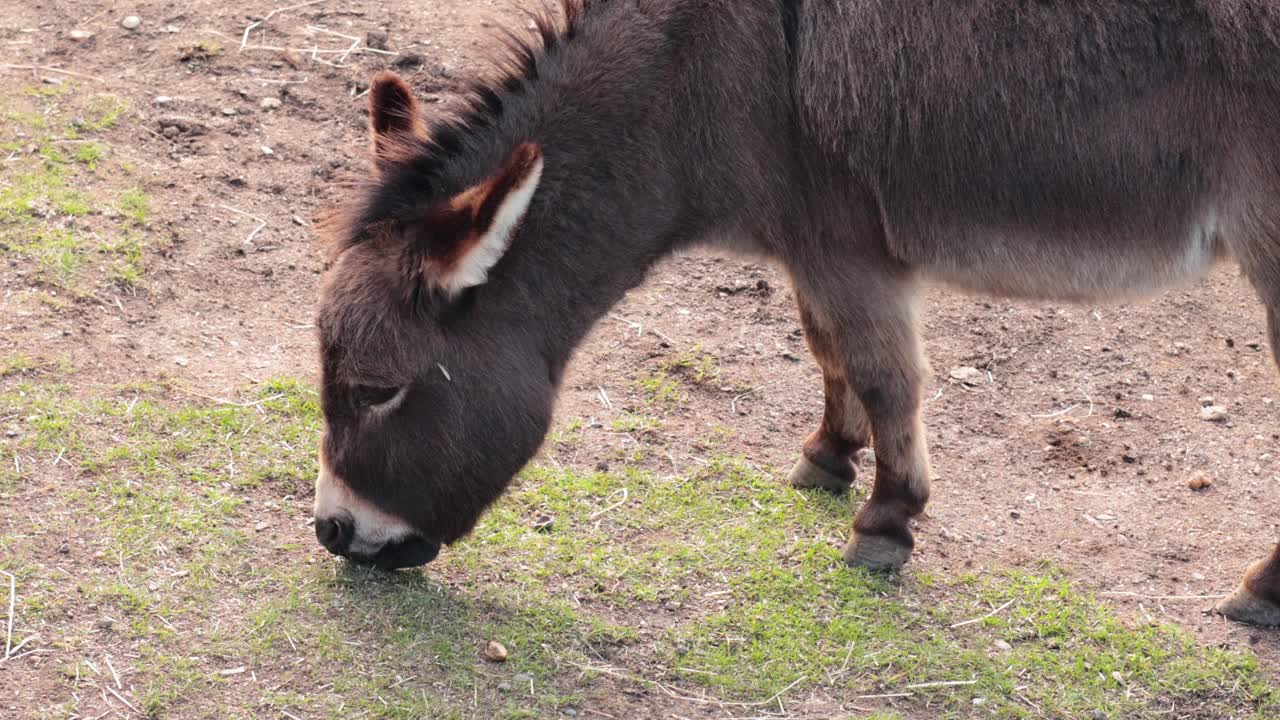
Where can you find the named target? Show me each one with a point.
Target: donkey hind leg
(879, 351)
(826, 461)
(1257, 600)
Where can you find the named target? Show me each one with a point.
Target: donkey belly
(1048, 263)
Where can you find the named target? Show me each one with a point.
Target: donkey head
(434, 388)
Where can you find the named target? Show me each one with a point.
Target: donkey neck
(653, 137)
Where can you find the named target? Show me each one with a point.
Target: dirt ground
(1075, 446)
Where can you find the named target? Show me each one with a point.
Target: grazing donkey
(1068, 151)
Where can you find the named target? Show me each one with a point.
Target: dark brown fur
(1082, 149)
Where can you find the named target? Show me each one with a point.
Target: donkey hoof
(878, 553)
(807, 474)
(1245, 607)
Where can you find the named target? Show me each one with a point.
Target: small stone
(267, 151)
(79, 34)
(163, 100)
(409, 61)
(494, 652)
(171, 131)
(229, 111)
(1097, 715)
(1015, 514)
(299, 221)
(1001, 645)
(788, 355)
(65, 549)
(262, 526)
(131, 22)
(504, 687)
(682, 649)
(269, 103)
(523, 677)
(1148, 397)
(967, 375)
(377, 39)
(51, 81)
(1213, 413)
(602, 466)
(1199, 481)
(181, 361)
(673, 605)
(106, 623)
(979, 701)
(543, 522)
(569, 712)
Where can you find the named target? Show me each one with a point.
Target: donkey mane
(407, 174)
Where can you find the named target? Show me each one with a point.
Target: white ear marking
(473, 268)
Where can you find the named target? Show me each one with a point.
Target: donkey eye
(371, 395)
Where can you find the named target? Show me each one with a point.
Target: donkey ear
(393, 112)
(472, 230)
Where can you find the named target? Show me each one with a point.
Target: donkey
(1059, 151)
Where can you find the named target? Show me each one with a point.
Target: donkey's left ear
(393, 113)
(470, 232)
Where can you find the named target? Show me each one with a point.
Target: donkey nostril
(334, 534)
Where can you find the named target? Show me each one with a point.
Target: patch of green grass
(659, 389)
(90, 154)
(132, 203)
(103, 113)
(127, 270)
(720, 582)
(633, 423)
(57, 252)
(697, 365)
(31, 120)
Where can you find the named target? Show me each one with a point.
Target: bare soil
(1075, 447)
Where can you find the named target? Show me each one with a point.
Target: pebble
(106, 623)
(267, 151)
(269, 103)
(543, 522)
(570, 712)
(79, 34)
(171, 131)
(673, 605)
(1199, 481)
(262, 526)
(494, 652)
(1002, 646)
(377, 39)
(523, 677)
(504, 687)
(65, 549)
(131, 22)
(163, 100)
(181, 361)
(967, 375)
(1213, 413)
(1097, 715)
(229, 111)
